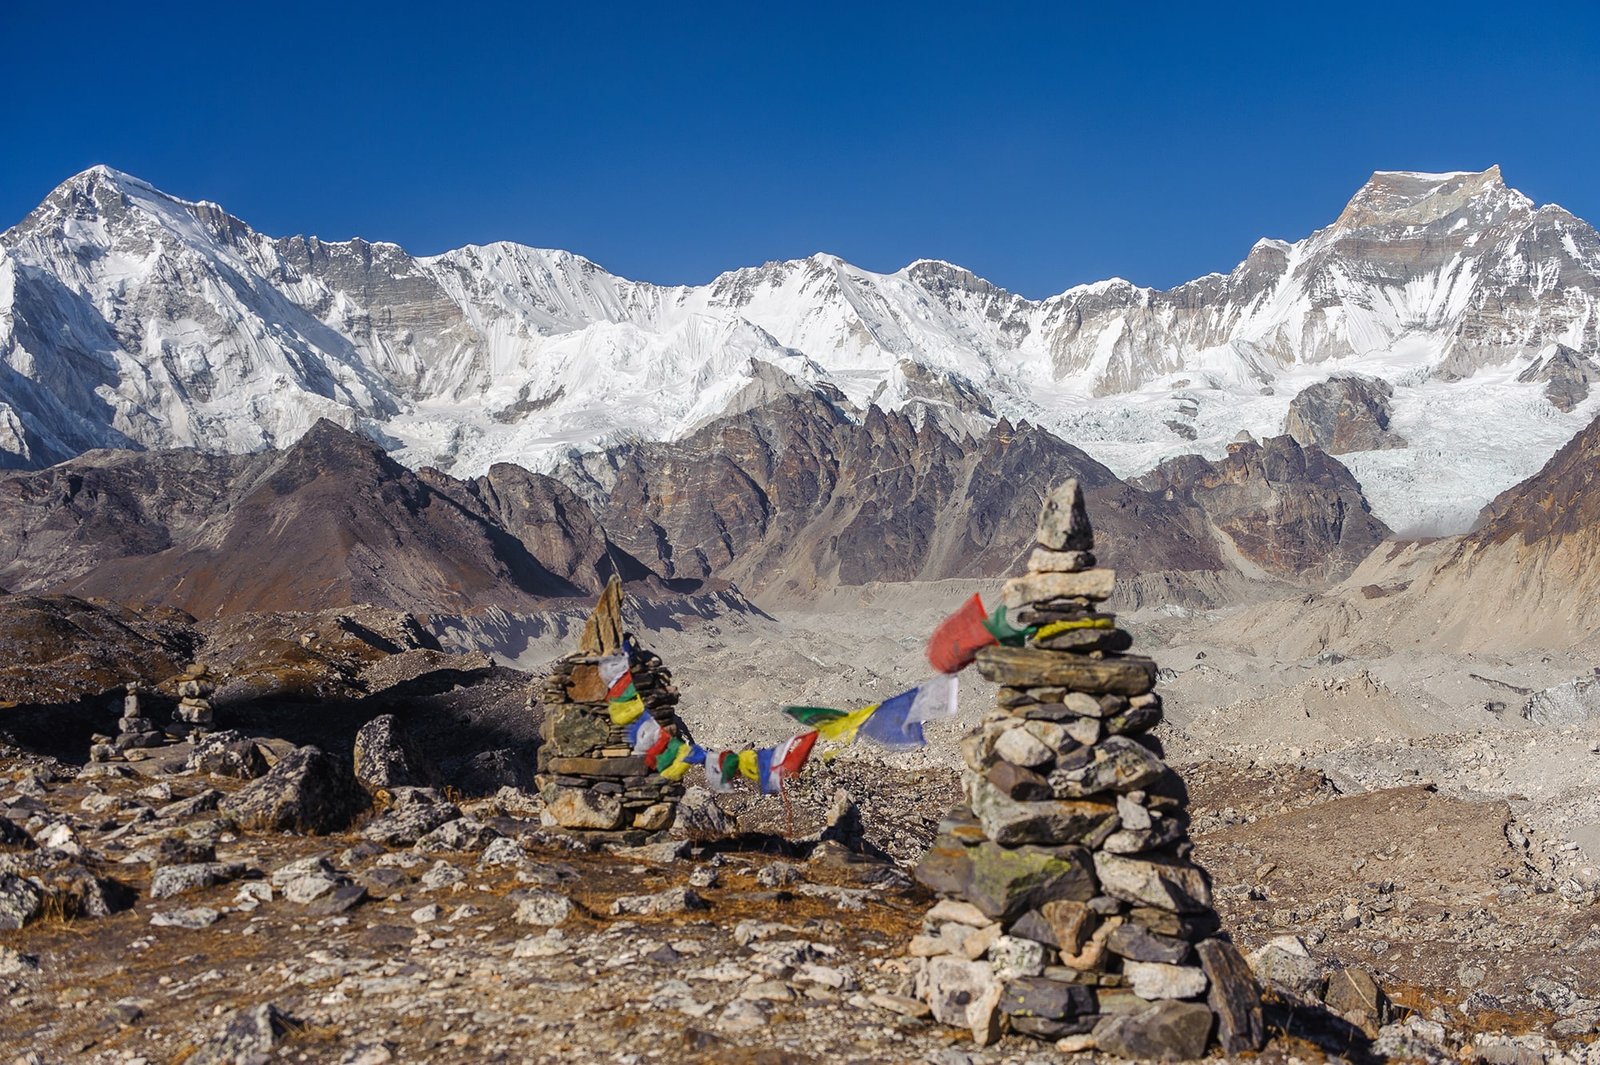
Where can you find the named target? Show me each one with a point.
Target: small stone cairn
(588, 776)
(194, 703)
(1070, 907)
(134, 730)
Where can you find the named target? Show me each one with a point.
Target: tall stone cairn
(1070, 909)
(588, 776)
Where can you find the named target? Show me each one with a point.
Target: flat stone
(977, 943)
(1044, 560)
(197, 917)
(584, 684)
(1192, 927)
(172, 880)
(1355, 995)
(341, 899)
(631, 766)
(1003, 882)
(1138, 943)
(1091, 584)
(1117, 764)
(672, 900)
(906, 1007)
(1083, 641)
(1165, 1031)
(1167, 885)
(1030, 667)
(1037, 996)
(1163, 832)
(1154, 979)
(1234, 997)
(959, 912)
(1007, 821)
(1071, 921)
(1285, 961)
(1064, 520)
(1018, 783)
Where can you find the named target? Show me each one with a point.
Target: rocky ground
(178, 929)
(1387, 817)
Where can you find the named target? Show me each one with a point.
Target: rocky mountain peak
(1400, 198)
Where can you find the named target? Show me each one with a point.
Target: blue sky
(1039, 145)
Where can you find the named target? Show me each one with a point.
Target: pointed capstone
(1064, 522)
(602, 634)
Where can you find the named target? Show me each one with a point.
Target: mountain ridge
(132, 318)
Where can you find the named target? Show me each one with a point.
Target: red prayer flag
(957, 640)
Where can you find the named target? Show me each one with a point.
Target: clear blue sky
(1041, 146)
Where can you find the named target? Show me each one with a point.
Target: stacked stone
(133, 728)
(588, 775)
(1071, 909)
(194, 704)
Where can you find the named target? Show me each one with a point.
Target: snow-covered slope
(130, 318)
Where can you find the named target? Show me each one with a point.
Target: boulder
(1168, 1030)
(228, 754)
(20, 901)
(307, 791)
(582, 808)
(385, 757)
(1003, 882)
(413, 813)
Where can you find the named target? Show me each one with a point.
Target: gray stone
(1036, 996)
(1064, 520)
(1020, 747)
(228, 754)
(385, 757)
(1154, 979)
(13, 836)
(307, 791)
(1285, 961)
(1117, 764)
(1165, 1031)
(172, 880)
(699, 817)
(442, 875)
(248, 1038)
(584, 808)
(1008, 822)
(194, 918)
(543, 908)
(413, 813)
(1138, 943)
(1018, 783)
(1355, 995)
(340, 900)
(672, 900)
(20, 901)
(15, 963)
(1092, 584)
(1233, 996)
(462, 834)
(1164, 884)
(1014, 956)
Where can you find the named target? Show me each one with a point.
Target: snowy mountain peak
(130, 318)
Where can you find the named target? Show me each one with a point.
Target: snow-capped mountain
(131, 318)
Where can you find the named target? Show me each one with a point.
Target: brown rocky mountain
(1291, 511)
(796, 495)
(1347, 412)
(331, 521)
(1566, 373)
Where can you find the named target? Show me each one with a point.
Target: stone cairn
(134, 730)
(194, 703)
(1070, 908)
(588, 776)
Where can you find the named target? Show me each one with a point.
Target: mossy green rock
(1004, 882)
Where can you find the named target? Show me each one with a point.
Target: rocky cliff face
(1290, 511)
(329, 522)
(1347, 412)
(1565, 373)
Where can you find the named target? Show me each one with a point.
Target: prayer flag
(957, 640)
(1002, 629)
(679, 764)
(1055, 628)
(842, 730)
(769, 784)
(749, 766)
(935, 698)
(626, 711)
(891, 726)
(643, 733)
(813, 715)
(791, 756)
